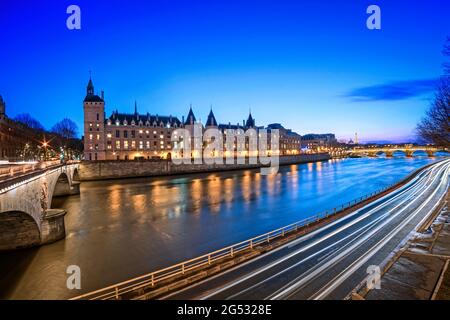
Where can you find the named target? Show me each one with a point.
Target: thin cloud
(400, 90)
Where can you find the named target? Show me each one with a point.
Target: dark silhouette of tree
(66, 133)
(29, 121)
(65, 128)
(435, 126)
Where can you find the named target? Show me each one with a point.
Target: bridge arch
(26, 207)
(18, 230)
(61, 187)
(75, 175)
(420, 152)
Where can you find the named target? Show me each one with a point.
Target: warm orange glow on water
(132, 226)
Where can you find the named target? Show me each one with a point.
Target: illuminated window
(125, 144)
(117, 144)
(90, 137)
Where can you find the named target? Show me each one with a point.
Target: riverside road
(331, 261)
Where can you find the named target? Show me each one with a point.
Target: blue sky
(311, 65)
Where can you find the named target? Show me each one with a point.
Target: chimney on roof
(103, 95)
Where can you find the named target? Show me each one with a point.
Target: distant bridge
(408, 150)
(26, 193)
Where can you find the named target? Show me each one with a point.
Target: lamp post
(45, 145)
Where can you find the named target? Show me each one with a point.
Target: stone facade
(98, 170)
(13, 135)
(26, 216)
(131, 136)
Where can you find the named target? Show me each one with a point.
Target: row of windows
(141, 145)
(117, 134)
(142, 124)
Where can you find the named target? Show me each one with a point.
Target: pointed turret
(250, 121)
(211, 121)
(190, 119)
(90, 88)
(2, 106)
(90, 95)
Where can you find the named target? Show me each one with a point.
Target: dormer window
(117, 123)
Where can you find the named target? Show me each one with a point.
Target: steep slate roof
(190, 119)
(211, 121)
(90, 95)
(250, 121)
(93, 98)
(136, 117)
(230, 126)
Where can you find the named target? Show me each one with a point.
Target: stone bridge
(409, 151)
(26, 215)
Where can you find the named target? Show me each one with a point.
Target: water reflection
(120, 229)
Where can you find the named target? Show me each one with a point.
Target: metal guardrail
(152, 279)
(12, 176)
(13, 170)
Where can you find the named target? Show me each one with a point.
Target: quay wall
(116, 169)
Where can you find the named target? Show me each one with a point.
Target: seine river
(124, 228)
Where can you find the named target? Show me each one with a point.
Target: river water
(119, 229)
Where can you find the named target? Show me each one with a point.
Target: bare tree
(66, 128)
(66, 131)
(29, 121)
(435, 126)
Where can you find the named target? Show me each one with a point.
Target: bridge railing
(154, 278)
(13, 170)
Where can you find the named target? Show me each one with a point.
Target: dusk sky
(311, 65)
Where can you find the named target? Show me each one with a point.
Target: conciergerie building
(132, 136)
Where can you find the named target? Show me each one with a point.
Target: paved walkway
(420, 270)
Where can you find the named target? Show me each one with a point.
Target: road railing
(14, 175)
(152, 279)
(12, 170)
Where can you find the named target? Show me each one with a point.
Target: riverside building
(134, 136)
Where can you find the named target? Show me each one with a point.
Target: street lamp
(45, 145)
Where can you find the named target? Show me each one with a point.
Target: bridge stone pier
(26, 215)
